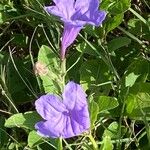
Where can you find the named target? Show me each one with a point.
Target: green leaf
(26, 120)
(1, 18)
(106, 4)
(50, 62)
(94, 110)
(118, 43)
(48, 84)
(130, 79)
(112, 130)
(113, 22)
(130, 103)
(34, 139)
(47, 57)
(12, 146)
(138, 101)
(141, 106)
(107, 144)
(107, 103)
(137, 71)
(119, 6)
(140, 88)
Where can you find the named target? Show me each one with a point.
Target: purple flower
(75, 14)
(63, 117)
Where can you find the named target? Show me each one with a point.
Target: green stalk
(147, 127)
(95, 146)
(138, 16)
(60, 146)
(132, 37)
(121, 117)
(8, 97)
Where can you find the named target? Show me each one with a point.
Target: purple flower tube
(75, 14)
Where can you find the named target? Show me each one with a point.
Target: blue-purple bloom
(75, 14)
(63, 117)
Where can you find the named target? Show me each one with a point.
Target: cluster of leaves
(110, 62)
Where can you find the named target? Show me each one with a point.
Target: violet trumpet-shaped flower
(75, 14)
(63, 117)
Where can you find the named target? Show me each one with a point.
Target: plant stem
(121, 117)
(147, 127)
(132, 37)
(138, 16)
(95, 146)
(8, 96)
(60, 146)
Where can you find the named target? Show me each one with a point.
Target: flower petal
(52, 128)
(62, 8)
(88, 12)
(50, 106)
(81, 6)
(77, 123)
(43, 129)
(75, 100)
(73, 128)
(63, 127)
(69, 35)
(54, 10)
(80, 119)
(86, 5)
(67, 129)
(94, 18)
(74, 95)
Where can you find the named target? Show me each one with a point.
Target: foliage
(110, 62)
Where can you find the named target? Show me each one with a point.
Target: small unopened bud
(40, 69)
